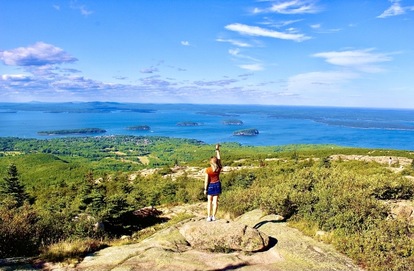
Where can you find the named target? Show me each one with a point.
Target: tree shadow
(261, 223)
(272, 241)
(231, 267)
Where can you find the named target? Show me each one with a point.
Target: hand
(205, 192)
(217, 147)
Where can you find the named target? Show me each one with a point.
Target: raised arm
(218, 155)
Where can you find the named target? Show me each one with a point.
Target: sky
(346, 53)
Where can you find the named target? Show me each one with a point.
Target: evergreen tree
(12, 189)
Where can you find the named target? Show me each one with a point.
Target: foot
(209, 218)
(213, 218)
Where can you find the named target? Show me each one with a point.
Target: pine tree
(11, 187)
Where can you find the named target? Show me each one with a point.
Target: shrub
(394, 189)
(19, 232)
(238, 201)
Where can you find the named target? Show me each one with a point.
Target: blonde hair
(215, 163)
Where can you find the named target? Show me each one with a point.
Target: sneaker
(213, 218)
(209, 218)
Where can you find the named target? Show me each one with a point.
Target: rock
(403, 209)
(168, 249)
(223, 236)
(147, 212)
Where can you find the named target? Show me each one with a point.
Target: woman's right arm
(205, 183)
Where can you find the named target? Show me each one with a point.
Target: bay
(277, 125)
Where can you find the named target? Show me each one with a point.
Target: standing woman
(212, 185)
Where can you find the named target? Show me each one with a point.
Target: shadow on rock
(261, 223)
(231, 267)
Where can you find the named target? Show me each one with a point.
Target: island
(139, 128)
(73, 131)
(246, 132)
(233, 122)
(188, 123)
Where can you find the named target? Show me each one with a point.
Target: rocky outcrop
(171, 249)
(224, 236)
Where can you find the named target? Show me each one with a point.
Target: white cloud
(291, 7)
(82, 8)
(149, 70)
(315, 26)
(258, 31)
(236, 53)
(235, 42)
(15, 77)
(252, 67)
(185, 43)
(395, 9)
(362, 60)
(38, 54)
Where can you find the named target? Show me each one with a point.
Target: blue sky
(352, 53)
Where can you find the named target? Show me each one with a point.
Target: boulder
(224, 236)
(169, 250)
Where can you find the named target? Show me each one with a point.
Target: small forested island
(246, 132)
(188, 123)
(73, 131)
(139, 128)
(233, 122)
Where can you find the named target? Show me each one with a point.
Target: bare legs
(212, 206)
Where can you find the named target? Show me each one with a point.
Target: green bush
(401, 188)
(19, 232)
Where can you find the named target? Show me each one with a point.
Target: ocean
(277, 125)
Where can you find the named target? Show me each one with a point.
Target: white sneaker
(209, 218)
(213, 218)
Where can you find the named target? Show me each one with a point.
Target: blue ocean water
(277, 125)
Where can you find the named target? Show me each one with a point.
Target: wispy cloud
(395, 9)
(278, 24)
(237, 53)
(235, 42)
(252, 67)
(149, 70)
(217, 83)
(38, 54)
(185, 43)
(363, 60)
(263, 32)
(81, 8)
(15, 77)
(291, 7)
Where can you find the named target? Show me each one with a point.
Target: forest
(55, 191)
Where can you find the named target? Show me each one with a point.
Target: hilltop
(357, 202)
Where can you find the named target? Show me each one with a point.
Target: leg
(209, 205)
(215, 204)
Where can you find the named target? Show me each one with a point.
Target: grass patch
(71, 251)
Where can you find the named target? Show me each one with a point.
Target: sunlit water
(277, 125)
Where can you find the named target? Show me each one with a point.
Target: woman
(212, 185)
